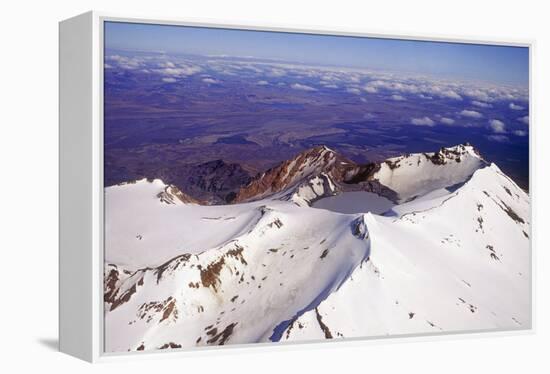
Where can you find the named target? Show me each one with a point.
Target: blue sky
(497, 64)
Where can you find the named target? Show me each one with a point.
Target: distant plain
(165, 112)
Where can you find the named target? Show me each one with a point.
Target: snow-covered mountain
(454, 255)
(454, 262)
(321, 172)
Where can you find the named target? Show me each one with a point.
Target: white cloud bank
(302, 87)
(516, 107)
(497, 126)
(524, 120)
(471, 114)
(447, 121)
(424, 121)
(481, 104)
(354, 90)
(400, 85)
(370, 89)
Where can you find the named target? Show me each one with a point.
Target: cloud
(516, 107)
(497, 126)
(370, 89)
(471, 114)
(424, 121)
(115, 58)
(330, 77)
(481, 104)
(486, 93)
(330, 86)
(170, 71)
(447, 121)
(276, 72)
(451, 95)
(210, 81)
(262, 83)
(498, 138)
(424, 88)
(181, 71)
(252, 67)
(354, 90)
(167, 64)
(520, 133)
(302, 87)
(397, 98)
(477, 93)
(168, 80)
(524, 120)
(123, 62)
(394, 86)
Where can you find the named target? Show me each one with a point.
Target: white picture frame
(81, 186)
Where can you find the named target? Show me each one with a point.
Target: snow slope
(179, 274)
(240, 291)
(145, 229)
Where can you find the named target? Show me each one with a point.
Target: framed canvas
(255, 186)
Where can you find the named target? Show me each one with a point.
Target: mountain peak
(316, 153)
(307, 164)
(461, 149)
(415, 174)
(321, 148)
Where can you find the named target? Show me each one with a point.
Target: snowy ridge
(179, 274)
(316, 188)
(414, 175)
